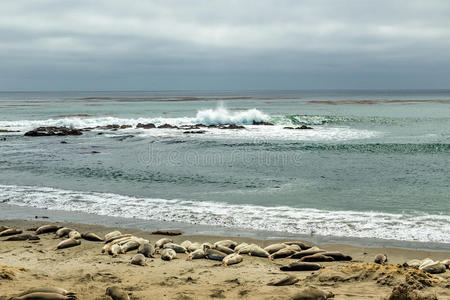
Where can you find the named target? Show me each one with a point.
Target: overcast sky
(226, 44)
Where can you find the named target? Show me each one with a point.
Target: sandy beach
(87, 272)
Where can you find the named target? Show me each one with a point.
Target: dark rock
(167, 232)
(63, 142)
(95, 152)
(231, 126)
(52, 130)
(303, 127)
(262, 123)
(125, 126)
(167, 126)
(288, 127)
(6, 130)
(145, 126)
(195, 131)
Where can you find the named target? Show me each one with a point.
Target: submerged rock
(53, 130)
(262, 123)
(145, 126)
(167, 126)
(303, 127)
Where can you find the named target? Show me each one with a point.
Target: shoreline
(84, 270)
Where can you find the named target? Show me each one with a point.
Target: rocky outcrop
(167, 126)
(52, 130)
(262, 123)
(146, 126)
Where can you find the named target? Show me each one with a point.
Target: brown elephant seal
(214, 254)
(301, 266)
(289, 280)
(319, 257)
(68, 243)
(275, 247)
(226, 243)
(131, 245)
(23, 237)
(10, 231)
(176, 247)
(197, 254)
(117, 237)
(302, 245)
(306, 253)
(63, 232)
(282, 253)
(112, 234)
(139, 260)
(90, 236)
(47, 228)
(232, 259)
(160, 243)
(255, 250)
(45, 296)
(337, 256)
(147, 250)
(48, 290)
(312, 293)
(224, 249)
(168, 254)
(3, 228)
(74, 235)
(380, 259)
(116, 293)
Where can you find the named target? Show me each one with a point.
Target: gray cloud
(209, 44)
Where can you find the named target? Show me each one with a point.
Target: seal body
(289, 280)
(197, 254)
(62, 232)
(275, 247)
(45, 296)
(255, 250)
(23, 237)
(112, 234)
(74, 235)
(223, 249)
(301, 266)
(168, 254)
(147, 249)
(338, 256)
(282, 253)
(160, 243)
(380, 259)
(319, 257)
(232, 259)
(90, 236)
(306, 253)
(10, 231)
(47, 229)
(129, 246)
(48, 290)
(214, 254)
(138, 259)
(226, 243)
(177, 248)
(312, 293)
(116, 293)
(68, 243)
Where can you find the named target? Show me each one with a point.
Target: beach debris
(47, 229)
(147, 249)
(197, 254)
(111, 235)
(116, 293)
(168, 254)
(74, 235)
(138, 259)
(177, 248)
(232, 259)
(160, 243)
(23, 237)
(63, 232)
(214, 254)
(319, 257)
(288, 280)
(301, 266)
(8, 272)
(312, 293)
(53, 130)
(10, 231)
(380, 259)
(90, 236)
(68, 243)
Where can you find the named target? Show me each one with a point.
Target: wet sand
(86, 271)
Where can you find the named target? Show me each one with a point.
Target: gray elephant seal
(289, 280)
(47, 229)
(168, 254)
(338, 256)
(197, 254)
(380, 259)
(116, 293)
(74, 235)
(146, 249)
(176, 247)
(138, 259)
(48, 290)
(224, 249)
(319, 257)
(301, 266)
(312, 293)
(117, 237)
(23, 237)
(306, 253)
(90, 236)
(160, 243)
(282, 253)
(10, 231)
(45, 296)
(112, 234)
(275, 247)
(62, 232)
(302, 245)
(214, 254)
(68, 243)
(226, 243)
(232, 259)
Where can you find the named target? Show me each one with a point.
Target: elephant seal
(74, 235)
(116, 293)
(432, 267)
(275, 247)
(139, 260)
(168, 254)
(114, 250)
(240, 246)
(224, 249)
(306, 253)
(117, 237)
(302, 245)
(214, 254)
(131, 245)
(337, 256)
(301, 266)
(186, 244)
(47, 228)
(282, 253)
(289, 280)
(146, 249)
(255, 250)
(23, 237)
(160, 243)
(3, 228)
(312, 293)
(177, 248)
(48, 290)
(194, 247)
(10, 231)
(226, 243)
(197, 254)
(68, 243)
(90, 236)
(446, 263)
(45, 296)
(62, 232)
(232, 259)
(380, 259)
(413, 263)
(319, 257)
(112, 234)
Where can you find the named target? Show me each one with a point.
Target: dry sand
(88, 272)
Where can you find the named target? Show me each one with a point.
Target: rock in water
(53, 130)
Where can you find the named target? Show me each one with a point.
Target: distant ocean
(375, 165)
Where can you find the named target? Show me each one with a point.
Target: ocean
(375, 164)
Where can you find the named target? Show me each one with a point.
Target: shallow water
(365, 170)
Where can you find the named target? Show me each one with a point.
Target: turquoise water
(374, 170)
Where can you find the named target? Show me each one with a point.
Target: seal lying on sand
(232, 259)
(47, 229)
(301, 266)
(116, 293)
(255, 250)
(74, 235)
(223, 249)
(10, 231)
(197, 254)
(3, 228)
(117, 237)
(380, 259)
(214, 254)
(282, 253)
(289, 280)
(312, 293)
(147, 249)
(62, 232)
(307, 253)
(319, 257)
(168, 254)
(275, 247)
(176, 247)
(68, 243)
(45, 296)
(160, 243)
(23, 237)
(226, 243)
(90, 236)
(338, 256)
(48, 290)
(138, 259)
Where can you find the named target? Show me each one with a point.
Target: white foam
(406, 227)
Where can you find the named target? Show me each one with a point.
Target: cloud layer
(209, 44)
